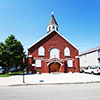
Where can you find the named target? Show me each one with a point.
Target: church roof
(52, 21)
(47, 35)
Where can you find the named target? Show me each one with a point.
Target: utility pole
(23, 69)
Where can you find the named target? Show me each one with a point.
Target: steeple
(52, 24)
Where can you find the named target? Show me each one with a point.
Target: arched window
(41, 51)
(54, 53)
(66, 51)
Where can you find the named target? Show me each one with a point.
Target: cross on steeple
(52, 13)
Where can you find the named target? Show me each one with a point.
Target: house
(90, 57)
(53, 53)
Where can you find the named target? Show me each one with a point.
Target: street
(51, 92)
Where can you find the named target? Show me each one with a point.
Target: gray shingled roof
(90, 50)
(52, 21)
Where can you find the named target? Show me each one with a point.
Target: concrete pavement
(58, 78)
(51, 92)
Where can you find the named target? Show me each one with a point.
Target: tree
(15, 51)
(11, 53)
(4, 60)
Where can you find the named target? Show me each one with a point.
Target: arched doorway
(54, 67)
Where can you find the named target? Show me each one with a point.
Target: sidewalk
(61, 78)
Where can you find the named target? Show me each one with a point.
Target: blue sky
(79, 20)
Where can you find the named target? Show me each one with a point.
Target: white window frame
(70, 63)
(52, 55)
(41, 51)
(38, 63)
(66, 51)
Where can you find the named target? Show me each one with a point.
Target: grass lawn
(5, 75)
(11, 74)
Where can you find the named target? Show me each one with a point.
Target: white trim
(33, 64)
(47, 35)
(76, 56)
(29, 55)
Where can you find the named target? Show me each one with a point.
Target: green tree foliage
(3, 55)
(11, 53)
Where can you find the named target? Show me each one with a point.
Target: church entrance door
(54, 67)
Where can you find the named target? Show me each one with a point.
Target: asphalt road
(52, 92)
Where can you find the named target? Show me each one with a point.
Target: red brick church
(53, 53)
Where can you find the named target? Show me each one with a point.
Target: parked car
(2, 71)
(19, 69)
(12, 69)
(15, 70)
(92, 70)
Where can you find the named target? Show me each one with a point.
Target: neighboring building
(52, 53)
(90, 57)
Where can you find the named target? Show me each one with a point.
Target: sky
(78, 20)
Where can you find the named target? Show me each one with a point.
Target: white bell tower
(52, 24)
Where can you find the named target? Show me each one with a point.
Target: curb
(27, 84)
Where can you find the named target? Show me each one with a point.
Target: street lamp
(23, 69)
